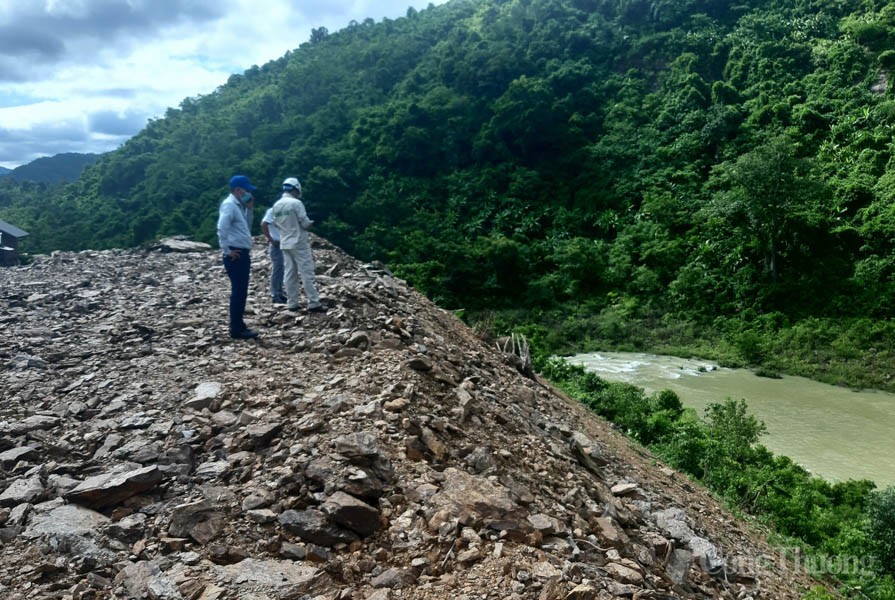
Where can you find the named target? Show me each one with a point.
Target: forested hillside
(594, 162)
(692, 176)
(60, 168)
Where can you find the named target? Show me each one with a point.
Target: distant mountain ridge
(60, 168)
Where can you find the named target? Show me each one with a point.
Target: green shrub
(684, 448)
(768, 374)
(881, 513)
(750, 346)
(832, 522)
(819, 592)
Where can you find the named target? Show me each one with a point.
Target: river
(833, 432)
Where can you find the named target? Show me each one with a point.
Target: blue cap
(243, 182)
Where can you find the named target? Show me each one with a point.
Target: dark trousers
(238, 272)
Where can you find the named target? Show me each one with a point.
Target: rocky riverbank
(379, 451)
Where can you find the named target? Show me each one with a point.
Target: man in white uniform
(292, 222)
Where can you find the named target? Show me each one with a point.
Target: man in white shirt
(235, 239)
(292, 222)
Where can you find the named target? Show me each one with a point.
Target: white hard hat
(291, 182)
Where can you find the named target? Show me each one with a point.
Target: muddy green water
(833, 432)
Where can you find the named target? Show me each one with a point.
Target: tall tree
(766, 198)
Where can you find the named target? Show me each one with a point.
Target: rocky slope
(379, 451)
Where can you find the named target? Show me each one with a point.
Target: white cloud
(85, 75)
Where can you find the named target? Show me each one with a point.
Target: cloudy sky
(85, 75)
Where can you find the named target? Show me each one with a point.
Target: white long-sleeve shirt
(291, 220)
(234, 225)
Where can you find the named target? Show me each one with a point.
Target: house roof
(12, 230)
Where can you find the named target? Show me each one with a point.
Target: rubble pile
(378, 451)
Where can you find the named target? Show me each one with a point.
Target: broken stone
(479, 481)
(9, 458)
(352, 513)
(112, 488)
(624, 489)
(623, 573)
(546, 524)
(393, 578)
(65, 520)
(180, 244)
(197, 520)
(205, 396)
(313, 526)
(27, 490)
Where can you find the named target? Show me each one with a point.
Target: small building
(9, 244)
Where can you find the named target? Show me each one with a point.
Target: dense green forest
(602, 170)
(706, 158)
(693, 176)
